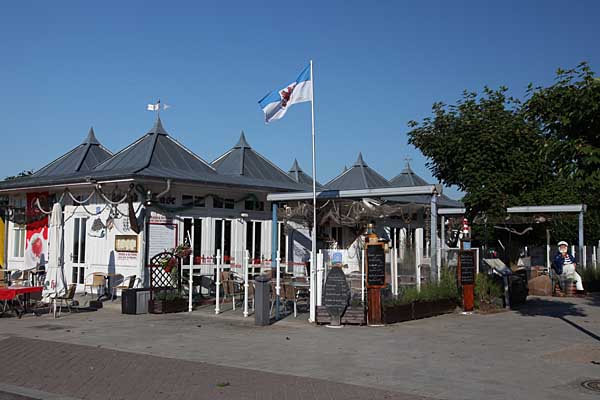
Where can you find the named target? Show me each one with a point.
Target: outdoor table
(11, 295)
(107, 292)
(8, 273)
(300, 287)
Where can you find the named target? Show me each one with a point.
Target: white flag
(153, 107)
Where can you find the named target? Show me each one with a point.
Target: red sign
(36, 237)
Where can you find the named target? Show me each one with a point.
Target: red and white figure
(36, 236)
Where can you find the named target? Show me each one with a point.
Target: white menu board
(161, 237)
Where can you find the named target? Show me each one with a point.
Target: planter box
(417, 310)
(592, 286)
(352, 316)
(398, 313)
(167, 306)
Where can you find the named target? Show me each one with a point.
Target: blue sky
(66, 66)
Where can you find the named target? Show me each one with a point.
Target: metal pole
(443, 237)
(218, 286)
(191, 269)
(362, 274)
(275, 257)
(433, 237)
(320, 271)
(313, 263)
(581, 254)
(246, 259)
(277, 287)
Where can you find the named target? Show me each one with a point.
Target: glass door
(75, 271)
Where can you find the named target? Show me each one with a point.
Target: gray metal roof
(300, 176)
(360, 176)
(243, 161)
(80, 159)
(157, 154)
(408, 178)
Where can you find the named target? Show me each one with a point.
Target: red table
(12, 294)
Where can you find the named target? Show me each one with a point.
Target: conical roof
(243, 161)
(300, 176)
(360, 176)
(407, 177)
(82, 158)
(159, 155)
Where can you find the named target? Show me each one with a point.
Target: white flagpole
(313, 261)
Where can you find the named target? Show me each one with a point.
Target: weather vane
(156, 107)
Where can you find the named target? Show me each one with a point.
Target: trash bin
(135, 301)
(262, 296)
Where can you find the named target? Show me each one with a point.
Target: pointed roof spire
(91, 137)
(407, 167)
(295, 167)
(242, 143)
(158, 127)
(359, 161)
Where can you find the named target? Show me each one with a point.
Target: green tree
(21, 174)
(568, 114)
(485, 146)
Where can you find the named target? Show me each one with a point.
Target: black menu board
(336, 293)
(467, 267)
(375, 265)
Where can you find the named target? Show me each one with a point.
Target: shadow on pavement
(557, 309)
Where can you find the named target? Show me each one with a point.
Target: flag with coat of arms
(276, 103)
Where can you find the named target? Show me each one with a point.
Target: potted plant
(170, 299)
(167, 301)
(434, 298)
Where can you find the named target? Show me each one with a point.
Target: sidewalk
(96, 373)
(543, 351)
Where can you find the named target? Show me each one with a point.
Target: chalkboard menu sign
(375, 265)
(467, 267)
(336, 294)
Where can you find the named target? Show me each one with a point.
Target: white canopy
(55, 284)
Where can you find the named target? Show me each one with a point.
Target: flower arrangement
(170, 265)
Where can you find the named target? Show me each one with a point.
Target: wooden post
(375, 263)
(466, 273)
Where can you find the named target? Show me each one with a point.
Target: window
(253, 205)
(18, 240)
(188, 200)
(223, 239)
(192, 228)
(282, 248)
(253, 240)
(223, 203)
(78, 253)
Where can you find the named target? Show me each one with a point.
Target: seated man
(564, 265)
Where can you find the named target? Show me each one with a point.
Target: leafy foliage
(484, 146)
(20, 174)
(446, 289)
(486, 290)
(505, 152)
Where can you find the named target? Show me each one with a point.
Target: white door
(75, 247)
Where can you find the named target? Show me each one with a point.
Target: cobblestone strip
(93, 373)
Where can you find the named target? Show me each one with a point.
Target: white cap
(562, 242)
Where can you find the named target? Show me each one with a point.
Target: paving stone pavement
(97, 373)
(542, 351)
